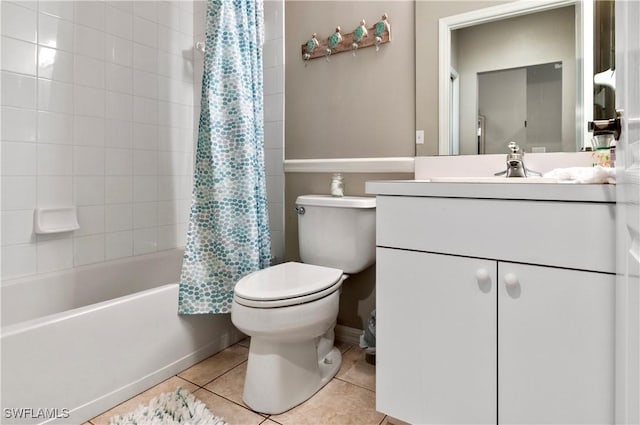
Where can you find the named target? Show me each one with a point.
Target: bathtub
(78, 342)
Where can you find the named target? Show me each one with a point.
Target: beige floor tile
(209, 369)
(169, 385)
(229, 411)
(231, 384)
(269, 422)
(356, 370)
(338, 403)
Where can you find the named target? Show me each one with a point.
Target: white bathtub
(81, 341)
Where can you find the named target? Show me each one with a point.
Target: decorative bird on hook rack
(311, 45)
(380, 28)
(359, 34)
(334, 40)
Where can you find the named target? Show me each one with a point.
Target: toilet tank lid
(340, 202)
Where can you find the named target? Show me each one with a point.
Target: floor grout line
(221, 375)
(224, 373)
(236, 403)
(185, 379)
(354, 384)
(348, 349)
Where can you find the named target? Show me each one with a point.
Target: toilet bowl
(290, 309)
(291, 354)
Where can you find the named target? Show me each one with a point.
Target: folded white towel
(583, 175)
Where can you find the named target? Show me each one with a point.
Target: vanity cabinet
(555, 345)
(495, 311)
(436, 338)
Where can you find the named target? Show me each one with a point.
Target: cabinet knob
(484, 280)
(512, 284)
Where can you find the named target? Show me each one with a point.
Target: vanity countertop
(529, 191)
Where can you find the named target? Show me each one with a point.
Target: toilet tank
(337, 232)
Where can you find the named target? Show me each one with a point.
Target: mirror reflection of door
(454, 113)
(521, 104)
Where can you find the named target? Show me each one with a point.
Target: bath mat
(179, 407)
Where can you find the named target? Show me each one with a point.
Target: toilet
(290, 309)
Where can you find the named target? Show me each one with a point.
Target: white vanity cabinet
(495, 310)
(555, 345)
(436, 338)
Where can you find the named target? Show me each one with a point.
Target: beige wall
(360, 107)
(357, 107)
(427, 15)
(349, 107)
(358, 292)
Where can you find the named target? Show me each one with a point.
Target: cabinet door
(555, 345)
(436, 338)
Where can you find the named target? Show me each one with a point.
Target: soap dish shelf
(55, 220)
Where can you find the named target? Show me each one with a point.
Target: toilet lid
(284, 281)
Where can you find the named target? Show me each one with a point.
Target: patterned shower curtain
(228, 233)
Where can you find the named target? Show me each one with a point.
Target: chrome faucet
(515, 163)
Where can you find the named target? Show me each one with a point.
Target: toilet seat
(286, 285)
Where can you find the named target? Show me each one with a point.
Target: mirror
(511, 71)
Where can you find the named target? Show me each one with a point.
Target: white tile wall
(274, 120)
(59, 9)
(18, 90)
(55, 254)
(85, 85)
(99, 104)
(118, 245)
(19, 22)
(88, 249)
(19, 260)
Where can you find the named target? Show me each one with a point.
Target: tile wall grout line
(37, 78)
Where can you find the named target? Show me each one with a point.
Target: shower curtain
(228, 234)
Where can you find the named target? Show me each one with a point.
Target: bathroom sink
(492, 179)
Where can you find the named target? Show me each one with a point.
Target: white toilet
(290, 310)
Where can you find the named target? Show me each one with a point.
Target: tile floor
(217, 381)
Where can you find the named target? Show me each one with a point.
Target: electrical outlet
(419, 137)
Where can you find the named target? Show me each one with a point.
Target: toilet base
(282, 375)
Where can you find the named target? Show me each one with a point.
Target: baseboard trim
(347, 334)
(350, 165)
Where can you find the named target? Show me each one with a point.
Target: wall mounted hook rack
(379, 33)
